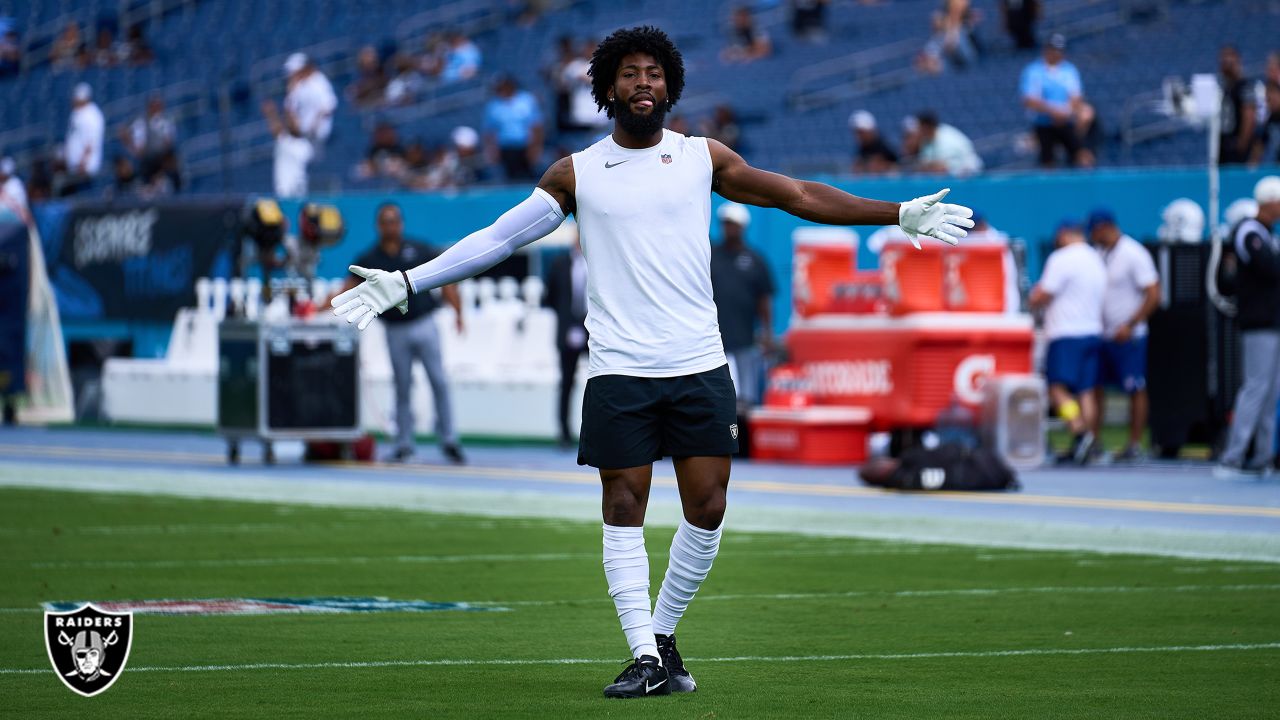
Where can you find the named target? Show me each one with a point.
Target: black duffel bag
(951, 466)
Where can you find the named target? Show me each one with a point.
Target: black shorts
(632, 421)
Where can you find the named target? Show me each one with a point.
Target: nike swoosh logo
(608, 165)
(647, 687)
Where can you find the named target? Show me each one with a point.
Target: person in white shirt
(1070, 292)
(292, 153)
(13, 194)
(85, 131)
(945, 149)
(658, 380)
(310, 99)
(1133, 292)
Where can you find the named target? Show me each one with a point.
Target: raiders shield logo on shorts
(88, 647)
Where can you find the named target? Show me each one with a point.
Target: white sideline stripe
(1036, 652)
(952, 592)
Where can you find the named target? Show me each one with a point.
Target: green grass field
(786, 626)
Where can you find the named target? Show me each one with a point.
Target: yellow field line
(590, 478)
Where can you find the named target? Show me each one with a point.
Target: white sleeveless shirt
(643, 218)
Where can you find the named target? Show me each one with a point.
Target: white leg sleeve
(692, 552)
(626, 568)
(533, 218)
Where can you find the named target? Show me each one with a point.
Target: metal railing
(38, 41)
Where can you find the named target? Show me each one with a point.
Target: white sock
(626, 568)
(692, 552)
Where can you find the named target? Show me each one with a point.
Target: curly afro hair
(646, 39)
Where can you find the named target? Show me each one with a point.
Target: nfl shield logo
(88, 647)
(666, 159)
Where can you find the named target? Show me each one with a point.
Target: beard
(639, 125)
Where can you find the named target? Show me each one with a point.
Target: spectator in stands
(85, 134)
(1132, 294)
(583, 115)
(136, 48)
(1070, 292)
(10, 48)
(944, 149)
(150, 138)
(106, 51)
(1270, 131)
(371, 81)
(874, 156)
(293, 152)
(408, 84)
(386, 156)
(1020, 21)
(564, 83)
(1088, 133)
(723, 126)
(749, 42)
(809, 19)
(952, 42)
(66, 48)
(513, 130)
(910, 141)
(461, 59)
(743, 288)
(1258, 315)
(13, 194)
(124, 179)
(1272, 71)
(412, 336)
(463, 160)
(1239, 110)
(310, 99)
(566, 294)
(1051, 91)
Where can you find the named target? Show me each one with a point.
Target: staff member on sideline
(1133, 292)
(567, 296)
(743, 290)
(1070, 291)
(413, 335)
(1258, 301)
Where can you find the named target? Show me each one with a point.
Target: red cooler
(812, 435)
(906, 369)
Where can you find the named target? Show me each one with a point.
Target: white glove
(929, 216)
(380, 291)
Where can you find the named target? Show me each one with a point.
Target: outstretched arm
(534, 218)
(735, 180)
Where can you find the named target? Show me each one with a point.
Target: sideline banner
(139, 262)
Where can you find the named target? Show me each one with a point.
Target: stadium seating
(215, 58)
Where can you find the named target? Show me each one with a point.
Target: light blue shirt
(461, 62)
(512, 119)
(1056, 85)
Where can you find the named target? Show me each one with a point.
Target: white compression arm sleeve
(533, 218)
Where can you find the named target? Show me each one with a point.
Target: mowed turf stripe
(461, 558)
(950, 592)
(447, 662)
(764, 486)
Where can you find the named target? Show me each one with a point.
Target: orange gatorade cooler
(822, 257)
(966, 278)
(905, 370)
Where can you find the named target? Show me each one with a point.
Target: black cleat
(453, 452)
(644, 677)
(681, 680)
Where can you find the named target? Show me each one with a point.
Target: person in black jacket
(1258, 301)
(567, 295)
